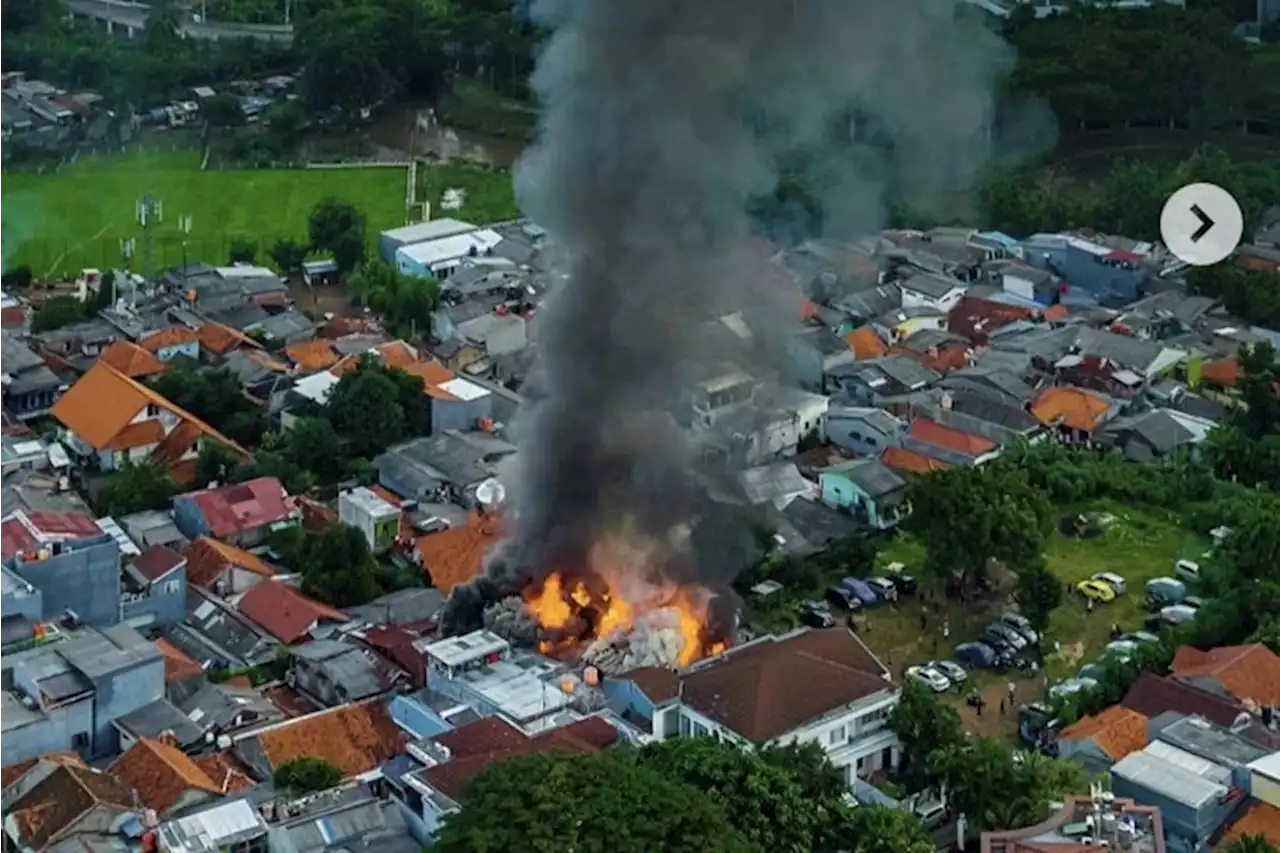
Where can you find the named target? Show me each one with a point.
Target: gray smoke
(663, 120)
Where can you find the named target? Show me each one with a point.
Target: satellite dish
(490, 493)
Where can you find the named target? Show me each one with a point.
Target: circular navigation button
(1201, 224)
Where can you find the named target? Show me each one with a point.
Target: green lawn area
(76, 218)
(474, 106)
(490, 196)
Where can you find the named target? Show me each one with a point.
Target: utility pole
(150, 214)
(184, 225)
(126, 251)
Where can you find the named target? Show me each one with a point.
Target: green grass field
(76, 218)
(490, 196)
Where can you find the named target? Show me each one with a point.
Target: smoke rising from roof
(662, 121)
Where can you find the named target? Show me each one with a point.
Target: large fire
(575, 615)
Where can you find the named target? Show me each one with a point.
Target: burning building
(664, 122)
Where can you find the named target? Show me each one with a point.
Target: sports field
(61, 223)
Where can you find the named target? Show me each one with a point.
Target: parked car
(1000, 634)
(1164, 591)
(1097, 590)
(906, 583)
(929, 677)
(1113, 580)
(1022, 625)
(843, 595)
(1092, 670)
(1187, 570)
(1121, 649)
(884, 588)
(816, 614)
(1037, 724)
(1195, 602)
(977, 656)
(1070, 686)
(1141, 637)
(1174, 614)
(954, 672)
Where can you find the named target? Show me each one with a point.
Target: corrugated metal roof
(1168, 779)
(1187, 761)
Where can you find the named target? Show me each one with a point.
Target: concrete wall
(55, 730)
(84, 578)
(416, 718)
(123, 693)
(461, 415)
(852, 433)
(165, 602)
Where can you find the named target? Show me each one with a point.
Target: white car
(931, 678)
(1113, 580)
(949, 670)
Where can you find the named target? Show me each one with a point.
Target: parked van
(1187, 570)
(1162, 592)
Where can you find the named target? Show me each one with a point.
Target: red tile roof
(50, 809)
(488, 741)
(27, 531)
(233, 509)
(157, 561)
(160, 773)
(655, 682)
(975, 318)
(284, 612)
(311, 356)
(910, 462)
(396, 644)
(178, 666)
(1224, 373)
(1256, 818)
(1249, 672)
(957, 441)
(865, 343)
(220, 339)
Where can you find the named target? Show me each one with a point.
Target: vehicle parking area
(1134, 544)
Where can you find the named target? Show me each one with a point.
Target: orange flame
(549, 606)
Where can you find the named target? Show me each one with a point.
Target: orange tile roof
(11, 773)
(356, 738)
(456, 555)
(1117, 731)
(865, 343)
(272, 364)
(178, 665)
(138, 434)
(910, 461)
(1247, 672)
(207, 558)
(131, 360)
(170, 337)
(1224, 373)
(430, 372)
(160, 773)
(397, 354)
(1257, 818)
(221, 339)
(225, 770)
(51, 809)
(386, 494)
(939, 435)
(1054, 313)
(1073, 407)
(104, 401)
(312, 356)
(346, 363)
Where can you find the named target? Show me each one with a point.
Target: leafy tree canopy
(338, 227)
(373, 407)
(306, 773)
(135, 487)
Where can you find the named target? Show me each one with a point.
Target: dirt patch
(321, 300)
(1070, 654)
(999, 718)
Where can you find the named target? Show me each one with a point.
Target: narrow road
(134, 16)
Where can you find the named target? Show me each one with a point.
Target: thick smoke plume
(663, 121)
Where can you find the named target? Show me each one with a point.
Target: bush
(306, 773)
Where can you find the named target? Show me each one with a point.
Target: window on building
(686, 725)
(699, 730)
(871, 441)
(80, 740)
(671, 721)
(836, 736)
(172, 587)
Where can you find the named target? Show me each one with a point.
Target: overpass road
(133, 18)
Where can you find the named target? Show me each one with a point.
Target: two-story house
(170, 782)
(155, 588)
(30, 387)
(1105, 274)
(866, 488)
(335, 673)
(173, 342)
(813, 351)
(66, 692)
(863, 430)
(948, 443)
(72, 561)
(243, 514)
(823, 687)
(940, 293)
(111, 419)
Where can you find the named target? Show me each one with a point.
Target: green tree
(313, 445)
(1038, 593)
(57, 312)
(306, 774)
(405, 301)
(606, 803)
(222, 111)
(287, 122)
(338, 228)
(1251, 844)
(213, 395)
(135, 487)
(968, 515)
(242, 251)
(216, 463)
(337, 567)
(878, 829)
(288, 255)
(18, 278)
(365, 409)
(925, 727)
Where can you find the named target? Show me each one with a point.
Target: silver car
(954, 672)
(930, 677)
(1113, 580)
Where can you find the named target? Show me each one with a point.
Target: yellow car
(1097, 590)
